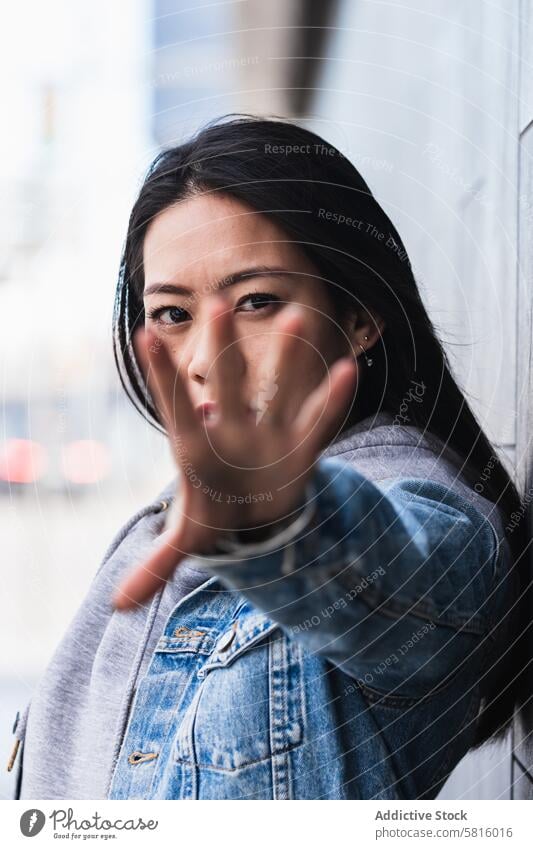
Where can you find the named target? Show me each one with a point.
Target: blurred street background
(423, 97)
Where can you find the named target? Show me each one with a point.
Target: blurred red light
(22, 461)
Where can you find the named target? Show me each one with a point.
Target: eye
(176, 315)
(255, 301)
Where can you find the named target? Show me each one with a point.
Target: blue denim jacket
(341, 658)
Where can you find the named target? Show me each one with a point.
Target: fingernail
(217, 299)
(119, 601)
(292, 312)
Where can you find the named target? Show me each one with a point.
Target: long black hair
(323, 204)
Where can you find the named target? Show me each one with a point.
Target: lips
(209, 410)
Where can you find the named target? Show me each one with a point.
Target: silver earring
(368, 360)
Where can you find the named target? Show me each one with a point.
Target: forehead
(210, 235)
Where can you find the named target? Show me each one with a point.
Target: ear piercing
(368, 359)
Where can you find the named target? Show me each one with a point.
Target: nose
(199, 357)
(199, 365)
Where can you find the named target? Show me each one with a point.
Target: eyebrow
(222, 283)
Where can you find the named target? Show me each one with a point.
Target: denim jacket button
(13, 756)
(228, 641)
(140, 757)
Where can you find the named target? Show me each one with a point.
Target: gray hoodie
(71, 737)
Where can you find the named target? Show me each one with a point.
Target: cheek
(321, 347)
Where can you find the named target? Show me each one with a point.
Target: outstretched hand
(245, 468)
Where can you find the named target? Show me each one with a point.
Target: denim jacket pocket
(398, 699)
(249, 705)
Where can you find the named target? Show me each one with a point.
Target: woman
(334, 606)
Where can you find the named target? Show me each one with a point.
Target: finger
(151, 576)
(291, 346)
(157, 372)
(165, 384)
(325, 408)
(227, 361)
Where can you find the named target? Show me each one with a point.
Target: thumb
(151, 575)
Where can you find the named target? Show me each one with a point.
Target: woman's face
(209, 242)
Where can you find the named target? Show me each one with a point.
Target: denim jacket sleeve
(393, 582)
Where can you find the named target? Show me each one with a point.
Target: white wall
(424, 99)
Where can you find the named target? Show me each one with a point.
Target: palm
(221, 488)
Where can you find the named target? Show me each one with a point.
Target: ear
(365, 330)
